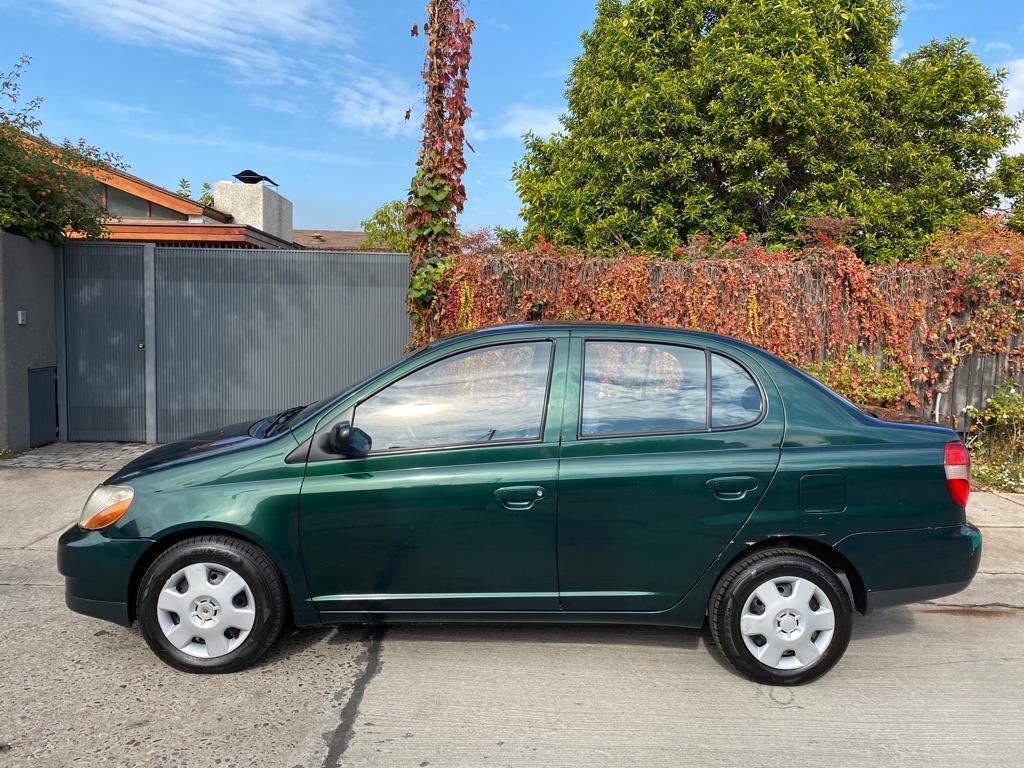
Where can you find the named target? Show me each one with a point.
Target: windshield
(293, 417)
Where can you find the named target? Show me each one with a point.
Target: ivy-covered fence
(883, 335)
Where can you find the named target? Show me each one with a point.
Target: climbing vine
(818, 305)
(436, 195)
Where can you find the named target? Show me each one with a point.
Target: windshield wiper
(276, 422)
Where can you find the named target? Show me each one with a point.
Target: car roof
(590, 327)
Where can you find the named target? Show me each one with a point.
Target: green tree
(1011, 182)
(205, 191)
(691, 117)
(385, 229)
(46, 189)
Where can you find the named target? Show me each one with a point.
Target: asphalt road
(938, 684)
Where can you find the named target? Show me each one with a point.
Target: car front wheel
(781, 617)
(211, 604)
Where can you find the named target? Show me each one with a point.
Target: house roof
(141, 188)
(330, 239)
(154, 194)
(185, 233)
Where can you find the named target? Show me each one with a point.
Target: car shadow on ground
(891, 622)
(562, 634)
(294, 641)
(884, 623)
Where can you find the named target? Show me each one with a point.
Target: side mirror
(348, 441)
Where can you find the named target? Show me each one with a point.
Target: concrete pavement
(935, 684)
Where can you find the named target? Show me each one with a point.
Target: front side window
(495, 394)
(632, 388)
(735, 398)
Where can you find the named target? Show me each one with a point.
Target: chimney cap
(251, 177)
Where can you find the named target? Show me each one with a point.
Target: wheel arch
(835, 560)
(164, 543)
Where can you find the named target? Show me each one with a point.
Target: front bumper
(97, 572)
(898, 567)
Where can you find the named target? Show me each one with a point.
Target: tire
(797, 632)
(227, 593)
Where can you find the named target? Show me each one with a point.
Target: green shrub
(855, 376)
(995, 439)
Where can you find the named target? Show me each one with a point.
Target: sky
(312, 93)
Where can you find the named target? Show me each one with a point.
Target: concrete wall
(26, 283)
(256, 205)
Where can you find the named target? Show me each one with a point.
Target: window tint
(486, 395)
(735, 398)
(634, 388)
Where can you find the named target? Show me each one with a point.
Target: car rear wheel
(211, 604)
(781, 617)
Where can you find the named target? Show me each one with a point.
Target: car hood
(195, 448)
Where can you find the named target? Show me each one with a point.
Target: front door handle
(732, 488)
(519, 497)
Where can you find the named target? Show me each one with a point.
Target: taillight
(957, 463)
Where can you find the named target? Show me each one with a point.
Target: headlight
(105, 506)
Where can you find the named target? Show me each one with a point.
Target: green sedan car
(555, 473)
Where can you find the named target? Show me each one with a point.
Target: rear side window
(632, 388)
(735, 398)
(489, 395)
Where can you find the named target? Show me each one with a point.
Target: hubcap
(206, 610)
(787, 623)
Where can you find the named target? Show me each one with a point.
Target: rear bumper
(97, 572)
(899, 567)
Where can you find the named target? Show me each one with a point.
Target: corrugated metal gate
(161, 343)
(103, 381)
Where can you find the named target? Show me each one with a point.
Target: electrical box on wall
(22, 317)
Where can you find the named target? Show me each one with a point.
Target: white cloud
(924, 5)
(520, 118)
(516, 119)
(897, 48)
(263, 101)
(1015, 94)
(998, 46)
(376, 104)
(244, 34)
(497, 24)
(119, 108)
(257, 149)
(1014, 85)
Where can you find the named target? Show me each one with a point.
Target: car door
(666, 449)
(454, 507)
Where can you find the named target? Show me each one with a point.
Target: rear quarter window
(735, 396)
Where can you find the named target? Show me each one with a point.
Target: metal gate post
(149, 317)
(62, 351)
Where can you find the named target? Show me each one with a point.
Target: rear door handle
(732, 488)
(519, 497)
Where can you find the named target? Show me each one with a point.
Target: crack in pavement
(26, 584)
(1009, 499)
(48, 535)
(338, 740)
(1010, 606)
